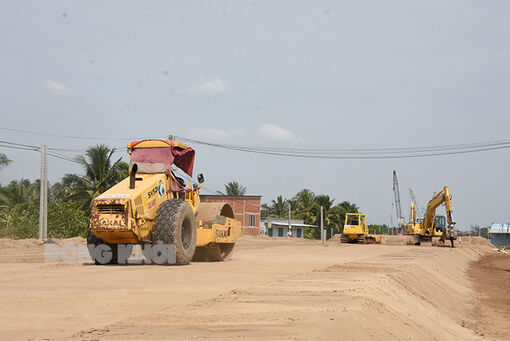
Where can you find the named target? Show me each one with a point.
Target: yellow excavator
(432, 228)
(155, 208)
(356, 230)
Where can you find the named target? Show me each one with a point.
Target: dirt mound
(32, 242)
(17, 244)
(397, 240)
(335, 238)
(468, 240)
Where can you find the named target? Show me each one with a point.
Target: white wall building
(279, 227)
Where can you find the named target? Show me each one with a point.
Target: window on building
(298, 233)
(280, 232)
(251, 220)
(270, 232)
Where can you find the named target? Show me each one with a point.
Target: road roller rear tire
(175, 224)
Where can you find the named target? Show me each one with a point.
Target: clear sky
(324, 74)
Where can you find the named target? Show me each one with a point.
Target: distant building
(246, 210)
(279, 227)
(499, 233)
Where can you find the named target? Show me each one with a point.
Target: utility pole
(290, 227)
(43, 199)
(322, 227)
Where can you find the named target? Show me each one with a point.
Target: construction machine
(153, 206)
(432, 228)
(356, 230)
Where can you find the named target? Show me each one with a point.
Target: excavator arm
(440, 198)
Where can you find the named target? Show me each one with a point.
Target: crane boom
(415, 207)
(400, 217)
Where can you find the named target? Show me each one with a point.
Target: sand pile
(468, 240)
(32, 242)
(397, 240)
(335, 238)
(17, 244)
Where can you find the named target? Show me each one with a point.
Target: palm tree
(279, 207)
(100, 175)
(19, 192)
(233, 188)
(344, 208)
(4, 160)
(348, 207)
(331, 214)
(306, 206)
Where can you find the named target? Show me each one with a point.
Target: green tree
(233, 188)
(346, 207)
(479, 231)
(65, 221)
(19, 215)
(378, 229)
(100, 174)
(331, 214)
(306, 206)
(22, 220)
(17, 192)
(278, 207)
(4, 160)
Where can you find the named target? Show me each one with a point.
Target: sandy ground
(491, 275)
(274, 288)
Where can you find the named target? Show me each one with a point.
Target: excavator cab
(439, 224)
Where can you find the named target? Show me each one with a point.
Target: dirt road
(272, 288)
(491, 275)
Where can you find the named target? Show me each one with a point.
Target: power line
(20, 148)
(63, 158)
(353, 150)
(312, 153)
(383, 153)
(70, 136)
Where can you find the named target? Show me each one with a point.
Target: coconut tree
(279, 207)
(331, 213)
(306, 206)
(19, 192)
(4, 160)
(101, 173)
(233, 188)
(344, 208)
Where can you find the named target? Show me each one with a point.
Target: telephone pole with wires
(43, 199)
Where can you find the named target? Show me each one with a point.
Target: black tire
(175, 224)
(92, 240)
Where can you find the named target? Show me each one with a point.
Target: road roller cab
(154, 206)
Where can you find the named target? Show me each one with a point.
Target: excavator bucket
(217, 232)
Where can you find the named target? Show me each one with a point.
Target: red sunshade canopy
(163, 151)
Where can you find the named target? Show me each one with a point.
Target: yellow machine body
(356, 230)
(432, 226)
(125, 215)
